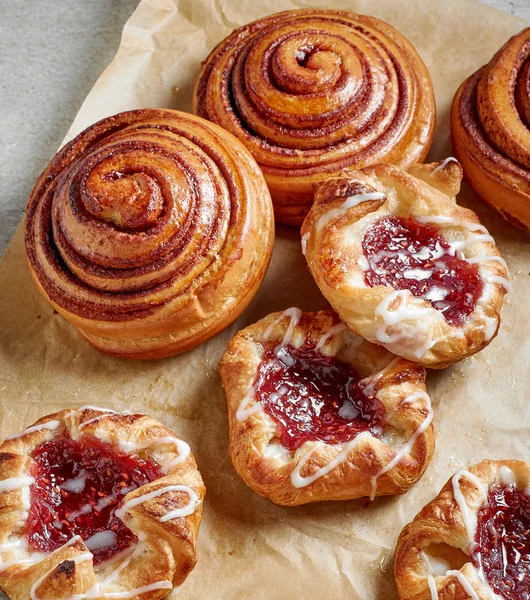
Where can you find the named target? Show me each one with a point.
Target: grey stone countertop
(51, 53)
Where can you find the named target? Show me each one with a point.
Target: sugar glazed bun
(490, 127)
(403, 264)
(317, 413)
(150, 232)
(472, 540)
(310, 92)
(97, 504)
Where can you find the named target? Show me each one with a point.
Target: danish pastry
(317, 413)
(150, 232)
(310, 92)
(490, 128)
(403, 264)
(472, 540)
(97, 504)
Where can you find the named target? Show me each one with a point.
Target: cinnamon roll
(310, 92)
(490, 127)
(150, 232)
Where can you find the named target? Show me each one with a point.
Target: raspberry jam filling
(315, 397)
(408, 255)
(503, 542)
(78, 487)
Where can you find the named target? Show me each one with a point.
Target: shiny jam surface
(315, 397)
(503, 542)
(408, 255)
(78, 487)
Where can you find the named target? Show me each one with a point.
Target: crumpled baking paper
(248, 547)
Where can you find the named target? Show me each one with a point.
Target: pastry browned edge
(435, 556)
(348, 206)
(310, 92)
(490, 128)
(150, 232)
(168, 547)
(367, 465)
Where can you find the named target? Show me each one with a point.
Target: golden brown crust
(150, 232)
(253, 443)
(166, 551)
(490, 121)
(332, 237)
(311, 92)
(439, 531)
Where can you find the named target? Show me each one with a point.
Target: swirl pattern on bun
(310, 92)
(490, 127)
(151, 231)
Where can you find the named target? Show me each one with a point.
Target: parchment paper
(248, 547)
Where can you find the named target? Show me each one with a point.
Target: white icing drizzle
(104, 412)
(332, 331)
(75, 485)
(299, 481)
(461, 501)
(507, 476)
(464, 581)
(403, 312)
(244, 411)
(443, 164)
(295, 315)
(51, 425)
(432, 587)
(182, 447)
(490, 324)
(497, 279)
(410, 444)
(183, 511)
(101, 539)
(363, 263)
(305, 239)
(275, 451)
(479, 259)
(371, 381)
(16, 483)
(437, 566)
(76, 559)
(350, 202)
(84, 510)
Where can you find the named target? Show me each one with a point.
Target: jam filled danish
(317, 413)
(472, 540)
(97, 504)
(403, 264)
